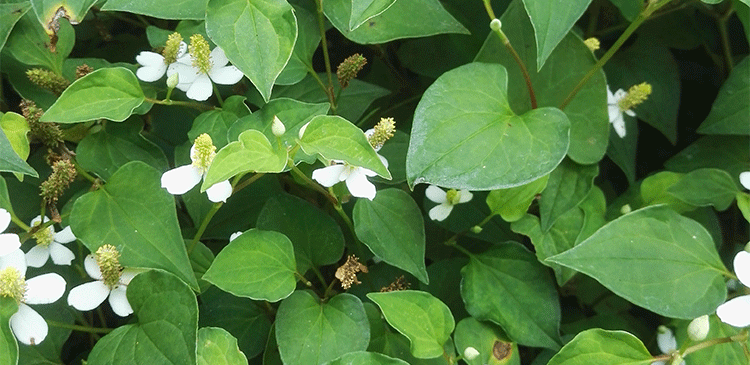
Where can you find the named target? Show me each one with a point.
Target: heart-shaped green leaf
(552, 20)
(465, 135)
(568, 185)
(600, 347)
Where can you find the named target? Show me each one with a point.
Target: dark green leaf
(552, 20)
(8, 344)
(705, 187)
(729, 153)
(9, 15)
(365, 358)
(568, 185)
(165, 9)
(730, 110)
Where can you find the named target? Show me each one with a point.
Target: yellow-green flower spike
(382, 131)
(636, 95)
(48, 80)
(172, 49)
(200, 53)
(204, 151)
(108, 259)
(12, 284)
(44, 236)
(592, 43)
(453, 196)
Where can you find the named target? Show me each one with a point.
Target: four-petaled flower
(354, 176)
(181, 179)
(88, 296)
(9, 242)
(736, 311)
(154, 65)
(198, 68)
(446, 200)
(49, 245)
(615, 112)
(27, 325)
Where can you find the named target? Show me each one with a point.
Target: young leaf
(552, 20)
(491, 147)
(511, 204)
(424, 319)
(508, 286)
(261, 54)
(391, 226)
(217, 346)
(258, 265)
(628, 256)
(167, 326)
(600, 347)
(109, 93)
(135, 214)
(311, 332)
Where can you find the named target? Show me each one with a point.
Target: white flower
(9, 242)
(354, 176)
(49, 245)
(666, 342)
(153, 65)
(234, 235)
(88, 296)
(197, 84)
(27, 325)
(745, 179)
(181, 179)
(698, 328)
(615, 113)
(736, 311)
(446, 200)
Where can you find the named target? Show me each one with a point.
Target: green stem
(506, 42)
(740, 337)
(645, 14)
(218, 95)
(247, 182)
(197, 106)
(76, 327)
(83, 173)
(204, 225)
(295, 170)
(326, 58)
(725, 45)
(302, 278)
(169, 94)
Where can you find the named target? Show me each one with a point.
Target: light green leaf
(654, 191)
(511, 204)
(508, 286)
(165, 9)
(50, 12)
(258, 265)
(109, 93)
(362, 11)
(705, 187)
(391, 226)
(8, 344)
(294, 114)
(15, 127)
(394, 23)
(743, 203)
(29, 44)
(729, 153)
(167, 327)
(336, 138)
(600, 347)
(366, 358)
(568, 63)
(253, 152)
(311, 332)
(316, 237)
(9, 159)
(568, 185)
(133, 213)
(216, 124)
(117, 144)
(552, 20)
(216, 346)
(262, 53)
(423, 319)
(9, 15)
(492, 344)
(628, 257)
(491, 147)
(730, 109)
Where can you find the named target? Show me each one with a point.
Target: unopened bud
(625, 209)
(470, 353)
(173, 80)
(63, 173)
(495, 24)
(277, 127)
(592, 43)
(698, 328)
(476, 229)
(83, 70)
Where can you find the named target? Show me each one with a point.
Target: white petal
(37, 256)
(65, 236)
(659, 363)
(92, 268)
(665, 340)
(151, 73)
(735, 312)
(220, 191)
(227, 75)
(630, 113)
(187, 73)
(182, 50)
(440, 212)
(128, 275)
(9, 242)
(234, 235)
(37, 220)
(181, 179)
(359, 186)
(619, 95)
(745, 179)
(610, 96)
(435, 194)
(619, 125)
(60, 254)
(201, 89)
(465, 196)
(302, 130)
(614, 112)
(28, 326)
(45, 289)
(88, 296)
(328, 176)
(742, 267)
(16, 259)
(119, 301)
(151, 59)
(218, 57)
(5, 219)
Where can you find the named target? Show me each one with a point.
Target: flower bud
(625, 209)
(495, 24)
(470, 353)
(476, 229)
(48, 80)
(592, 43)
(277, 127)
(173, 80)
(698, 328)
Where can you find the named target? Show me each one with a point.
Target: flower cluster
(195, 66)
(181, 179)
(446, 201)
